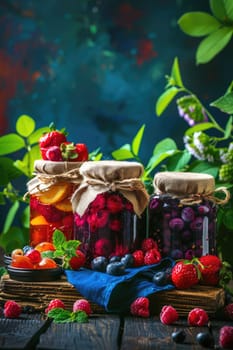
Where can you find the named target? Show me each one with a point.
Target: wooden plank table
(103, 331)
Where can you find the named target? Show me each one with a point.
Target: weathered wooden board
(101, 332)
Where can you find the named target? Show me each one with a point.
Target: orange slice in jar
(64, 205)
(39, 220)
(56, 193)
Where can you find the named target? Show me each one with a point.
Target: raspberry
(226, 337)
(149, 243)
(168, 315)
(228, 311)
(82, 305)
(12, 309)
(140, 307)
(138, 256)
(198, 317)
(55, 303)
(152, 256)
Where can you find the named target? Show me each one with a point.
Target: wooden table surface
(103, 331)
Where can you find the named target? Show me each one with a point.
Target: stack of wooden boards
(39, 294)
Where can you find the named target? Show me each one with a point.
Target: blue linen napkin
(116, 293)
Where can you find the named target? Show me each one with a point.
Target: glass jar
(110, 208)
(182, 214)
(50, 199)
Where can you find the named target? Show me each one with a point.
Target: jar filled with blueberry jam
(109, 208)
(50, 194)
(182, 214)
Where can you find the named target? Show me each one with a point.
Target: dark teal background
(97, 67)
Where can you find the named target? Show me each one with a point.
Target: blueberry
(160, 278)
(205, 339)
(116, 268)
(128, 260)
(177, 254)
(115, 258)
(187, 214)
(178, 336)
(99, 263)
(26, 248)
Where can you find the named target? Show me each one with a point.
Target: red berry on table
(228, 311)
(52, 138)
(168, 315)
(138, 256)
(184, 275)
(82, 305)
(78, 260)
(55, 303)
(12, 309)
(152, 256)
(210, 266)
(34, 255)
(198, 317)
(149, 243)
(226, 337)
(140, 307)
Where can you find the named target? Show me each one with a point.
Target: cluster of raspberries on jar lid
(54, 146)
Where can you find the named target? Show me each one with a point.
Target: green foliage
(60, 315)
(216, 28)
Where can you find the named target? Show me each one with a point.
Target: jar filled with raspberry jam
(50, 199)
(182, 214)
(109, 208)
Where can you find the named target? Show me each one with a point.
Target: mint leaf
(80, 316)
(58, 238)
(60, 315)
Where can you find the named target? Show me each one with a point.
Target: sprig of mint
(60, 315)
(64, 249)
(226, 276)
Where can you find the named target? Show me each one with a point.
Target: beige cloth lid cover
(47, 173)
(110, 175)
(183, 183)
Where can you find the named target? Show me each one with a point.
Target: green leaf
(178, 161)
(11, 143)
(224, 103)
(229, 8)
(162, 150)
(25, 218)
(164, 99)
(10, 216)
(36, 135)
(213, 44)
(26, 165)
(198, 23)
(137, 140)
(228, 219)
(201, 166)
(80, 316)
(58, 239)
(8, 171)
(60, 315)
(218, 9)
(25, 125)
(228, 128)
(175, 73)
(123, 153)
(199, 127)
(12, 239)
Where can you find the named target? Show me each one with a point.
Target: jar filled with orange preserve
(50, 194)
(109, 208)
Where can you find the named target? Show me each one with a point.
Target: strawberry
(209, 266)
(82, 152)
(55, 303)
(138, 256)
(12, 309)
(74, 152)
(78, 260)
(152, 256)
(140, 307)
(184, 274)
(82, 305)
(52, 138)
(53, 153)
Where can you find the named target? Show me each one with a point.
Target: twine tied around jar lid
(190, 188)
(49, 173)
(102, 176)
